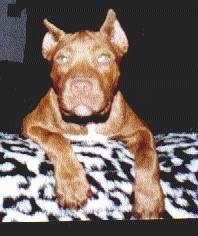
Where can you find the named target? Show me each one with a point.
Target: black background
(159, 72)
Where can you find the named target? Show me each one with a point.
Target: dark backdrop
(159, 73)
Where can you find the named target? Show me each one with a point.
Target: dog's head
(85, 66)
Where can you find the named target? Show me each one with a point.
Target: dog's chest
(91, 134)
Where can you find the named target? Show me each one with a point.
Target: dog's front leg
(72, 187)
(124, 125)
(148, 195)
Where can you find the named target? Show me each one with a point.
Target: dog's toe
(151, 211)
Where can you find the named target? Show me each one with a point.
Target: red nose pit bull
(85, 75)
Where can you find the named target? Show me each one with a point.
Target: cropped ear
(112, 29)
(51, 39)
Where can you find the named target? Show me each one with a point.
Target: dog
(85, 76)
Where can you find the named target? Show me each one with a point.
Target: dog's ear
(51, 39)
(112, 29)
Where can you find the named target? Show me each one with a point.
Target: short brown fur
(83, 85)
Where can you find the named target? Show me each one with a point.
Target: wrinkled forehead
(85, 41)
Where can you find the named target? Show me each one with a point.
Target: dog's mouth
(85, 111)
(82, 110)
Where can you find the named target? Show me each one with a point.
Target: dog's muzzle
(84, 97)
(82, 90)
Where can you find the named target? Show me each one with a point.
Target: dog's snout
(81, 86)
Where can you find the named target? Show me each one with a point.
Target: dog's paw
(73, 191)
(148, 207)
(148, 214)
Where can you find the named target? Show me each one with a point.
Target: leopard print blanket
(27, 179)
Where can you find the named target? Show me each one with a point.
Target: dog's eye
(103, 58)
(62, 59)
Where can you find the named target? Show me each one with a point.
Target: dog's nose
(81, 86)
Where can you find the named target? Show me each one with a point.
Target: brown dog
(85, 74)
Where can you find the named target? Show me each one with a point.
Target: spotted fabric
(27, 179)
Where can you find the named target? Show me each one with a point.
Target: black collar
(86, 120)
